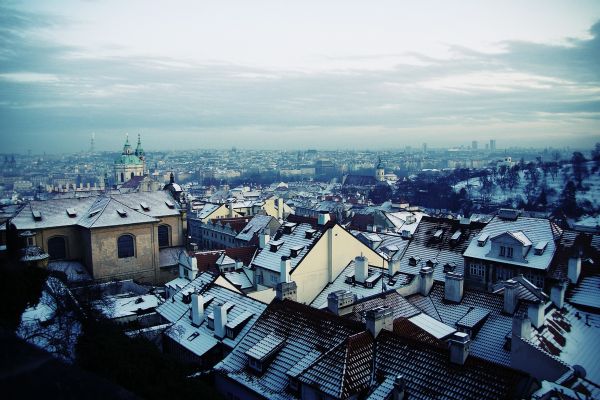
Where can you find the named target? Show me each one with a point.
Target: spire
(172, 178)
(138, 150)
(127, 147)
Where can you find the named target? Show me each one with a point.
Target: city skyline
(266, 76)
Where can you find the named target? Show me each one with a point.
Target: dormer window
(310, 233)
(122, 213)
(413, 261)
(482, 240)
(170, 204)
(145, 206)
(37, 216)
(295, 251)
(71, 212)
(540, 247)
(438, 235)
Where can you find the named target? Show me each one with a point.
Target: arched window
(126, 246)
(164, 236)
(132, 175)
(122, 177)
(57, 248)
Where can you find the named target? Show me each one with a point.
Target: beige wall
(335, 249)
(105, 261)
(72, 235)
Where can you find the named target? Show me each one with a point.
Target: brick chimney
(220, 319)
(459, 344)
(510, 296)
(426, 282)
(285, 268)
(453, 287)
(557, 294)
(521, 326)
(324, 218)
(263, 238)
(379, 318)
(361, 269)
(286, 291)
(340, 302)
(197, 308)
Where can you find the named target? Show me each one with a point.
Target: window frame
(121, 253)
(160, 246)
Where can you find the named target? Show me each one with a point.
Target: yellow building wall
(105, 261)
(177, 233)
(221, 212)
(72, 235)
(336, 248)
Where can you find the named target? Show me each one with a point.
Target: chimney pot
(197, 308)
(510, 296)
(426, 280)
(380, 318)
(220, 319)
(453, 287)
(459, 344)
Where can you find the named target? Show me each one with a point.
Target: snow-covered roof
(242, 313)
(524, 229)
(96, 211)
(207, 210)
(283, 244)
(255, 225)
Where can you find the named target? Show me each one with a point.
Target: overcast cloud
(61, 79)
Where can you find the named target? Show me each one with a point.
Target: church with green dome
(131, 163)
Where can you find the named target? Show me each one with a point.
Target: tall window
(502, 251)
(164, 237)
(126, 246)
(132, 175)
(122, 177)
(477, 270)
(57, 248)
(509, 252)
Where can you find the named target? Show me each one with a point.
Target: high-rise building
(424, 147)
(492, 145)
(474, 145)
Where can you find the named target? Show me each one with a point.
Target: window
(164, 237)
(274, 278)
(122, 177)
(132, 175)
(509, 252)
(259, 279)
(502, 251)
(477, 270)
(57, 248)
(126, 246)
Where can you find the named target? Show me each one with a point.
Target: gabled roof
(254, 226)
(527, 231)
(200, 339)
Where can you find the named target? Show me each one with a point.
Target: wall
(107, 265)
(336, 248)
(72, 237)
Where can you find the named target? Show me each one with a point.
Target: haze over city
(266, 74)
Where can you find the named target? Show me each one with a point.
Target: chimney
(510, 296)
(230, 210)
(340, 302)
(453, 288)
(536, 313)
(220, 315)
(459, 345)
(393, 266)
(324, 218)
(521, 326)
(286, 291)
(574, 268)
(399, 391)
(238, 265)
(263, 238)
(557, 294)
(197, 308)
(361, 269)
(285, 266)
(280, 207)
(380, 318)
(426, 281)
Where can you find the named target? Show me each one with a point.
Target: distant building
(130, 164)
(474, 145)
(492, 145)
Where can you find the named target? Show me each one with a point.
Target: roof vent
(438, 234)
(122, 213)
(145, 206)
(71, 212)
(289, 227)
(310, 233)
(456, 236)
(295, 251)
(275, 245)
(37, 215)
(169, 204)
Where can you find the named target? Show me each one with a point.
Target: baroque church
(131, 163)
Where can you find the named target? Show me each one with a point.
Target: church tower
(130, 163)
(380, 171)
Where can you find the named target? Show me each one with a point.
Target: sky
(298, 74)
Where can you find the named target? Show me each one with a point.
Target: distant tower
(130, 163)
(424, 147)
(379, 171)
(92, 144)
(474, 145)
(492, 145)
